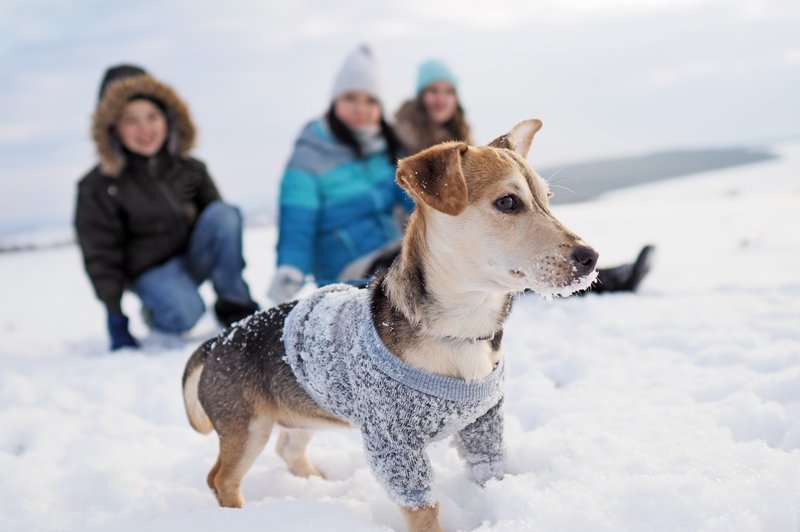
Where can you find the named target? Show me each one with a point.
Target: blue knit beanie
(434, 70)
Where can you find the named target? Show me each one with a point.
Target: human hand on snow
(287, 281)
(118, 330)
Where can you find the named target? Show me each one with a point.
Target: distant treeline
(33, 246)
(585, 181)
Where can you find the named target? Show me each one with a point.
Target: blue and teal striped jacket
(335, 208)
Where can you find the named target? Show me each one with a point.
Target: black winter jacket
(136, 212)
(138, 219)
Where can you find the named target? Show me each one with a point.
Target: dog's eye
(508, 204)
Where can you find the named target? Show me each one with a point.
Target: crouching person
(149, 217)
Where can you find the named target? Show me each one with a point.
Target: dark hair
(155, 101)
(345, 135)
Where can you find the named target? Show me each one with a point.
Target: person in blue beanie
(436, 115)
(339, 203)
(149, 217)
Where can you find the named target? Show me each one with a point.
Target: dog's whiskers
(564, 188)
(553, 183)
(550, 179)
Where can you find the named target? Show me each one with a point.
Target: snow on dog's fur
(481, 232)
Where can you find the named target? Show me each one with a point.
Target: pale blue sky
(612, 78)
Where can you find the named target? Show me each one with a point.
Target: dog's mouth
(548, 281)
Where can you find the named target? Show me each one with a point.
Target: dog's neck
(439, 312)
(432, 321)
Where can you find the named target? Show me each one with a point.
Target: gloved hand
(118, 330)
(287, 281)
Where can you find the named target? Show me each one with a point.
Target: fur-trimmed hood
(181, 134)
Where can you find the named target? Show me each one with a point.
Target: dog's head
(486, 218)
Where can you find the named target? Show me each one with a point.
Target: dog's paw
(483, 472)
(230, 498)
(305, 469)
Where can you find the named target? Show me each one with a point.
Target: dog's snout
(584, 259)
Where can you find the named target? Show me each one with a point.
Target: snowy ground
(674, 409)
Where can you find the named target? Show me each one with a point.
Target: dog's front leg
(480, 444)
(405, 471)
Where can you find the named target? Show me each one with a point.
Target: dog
(413, 358)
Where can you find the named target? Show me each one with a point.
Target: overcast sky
(611, 78)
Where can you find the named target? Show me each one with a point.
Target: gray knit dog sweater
(339, 360)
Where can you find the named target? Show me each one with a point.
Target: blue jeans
(169, 290)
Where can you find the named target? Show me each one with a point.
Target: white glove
(287, 281)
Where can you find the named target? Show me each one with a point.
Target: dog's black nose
(584, 259)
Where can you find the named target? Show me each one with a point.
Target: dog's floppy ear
(520, 137)
(434, 176)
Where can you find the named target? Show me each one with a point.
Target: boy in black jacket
(149, 217)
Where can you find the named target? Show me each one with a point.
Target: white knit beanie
(358, 73)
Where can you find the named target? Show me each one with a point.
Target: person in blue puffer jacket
(339, 204)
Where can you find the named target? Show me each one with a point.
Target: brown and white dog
(482, 232)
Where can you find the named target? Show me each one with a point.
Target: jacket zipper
(162, 187)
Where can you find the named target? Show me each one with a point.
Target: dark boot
(229, 312)
(625, 278)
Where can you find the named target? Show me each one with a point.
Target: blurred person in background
(435, 114)
(339, 203)
(149, 217)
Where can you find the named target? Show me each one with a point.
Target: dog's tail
(191, 401)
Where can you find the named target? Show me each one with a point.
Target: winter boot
(625, 278)
(229, 312)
